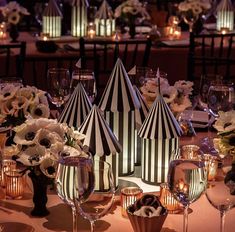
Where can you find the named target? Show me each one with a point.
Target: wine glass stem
(74, 215)
(92, 223)
(185, 223)
(222, 220)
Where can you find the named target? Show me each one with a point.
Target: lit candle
(224, 30)
(181, 185)
(44, 36)
(3, 31)
(15, 182)
(211, 164)
(177, 32)
(128, 196)
(191, 151)
(7, 165)
(91, 30)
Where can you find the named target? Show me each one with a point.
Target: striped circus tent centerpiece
(51, 20)
(101, 141)
(104, 20)
(77, 108)
(140, 115)
(79, 18)
(159, 133)
(118, 103)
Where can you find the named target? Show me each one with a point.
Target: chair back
(211, 54)
(101, 55)
(12, 58)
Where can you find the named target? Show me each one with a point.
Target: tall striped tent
(77, 108)
(119, 102)
(159, 133)
(51, 19)
(102, 143)
(140, 115)
(79, 17)
(225, 15)
(104, 20)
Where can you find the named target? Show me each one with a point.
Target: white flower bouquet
(17, 103)
(177, 96)
(41, 142)
(13, 12)
(225, 125)
(131, 8)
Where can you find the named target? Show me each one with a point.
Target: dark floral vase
(131, 24)
(14, 33)
(40, 183)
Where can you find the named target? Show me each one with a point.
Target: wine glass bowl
(101, 200)
(58, 86)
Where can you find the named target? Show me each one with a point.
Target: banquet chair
(212, 54)
(101, 55)
(12, 57)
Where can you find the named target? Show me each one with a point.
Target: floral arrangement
(194, 7)
(40, 143)
(13, 12)
(17, 103)
(225, 125)
(176, 96)
(131, 9)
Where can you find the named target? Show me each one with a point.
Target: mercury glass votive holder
(167, 199)
(15, 184)
(7, 165)
(211, 164)
(128, 196)
(191, 151)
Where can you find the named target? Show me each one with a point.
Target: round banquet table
(15, 214)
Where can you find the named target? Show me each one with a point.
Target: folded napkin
(176, 43)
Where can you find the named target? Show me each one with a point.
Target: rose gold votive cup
(7, 165)
(190, 151)
(15, 183)
(211, 164)
(167, 199)
(128, 196)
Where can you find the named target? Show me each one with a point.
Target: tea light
(91, 30)
(15, 182)
(191, 151)
(7, 165)
(177, 32)
(3, 30)
(211, 164)
(167, 199)
(44, 36)
(224, 30)
(128, 196)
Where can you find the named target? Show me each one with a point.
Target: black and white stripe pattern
(77, 108)
(155, 159)
(140, 115)
(101, 141)
(160, 122)
(119, 95)
(123, 126)
(79, 17)
(52, 9)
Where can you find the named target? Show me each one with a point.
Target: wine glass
(220, 97)
(190, 18)
(87, 79)
(58, 86)
(221, 192)
(101, 200)
(74, 178)
(186, 180)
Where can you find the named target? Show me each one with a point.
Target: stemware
(74, 178)
(190, 18)
(186, 180)
(87, 79)
(58, 86)
(220, 97)
(220, 191)
(101, 200)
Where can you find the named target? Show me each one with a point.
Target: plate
(176, 43)
(199, 118)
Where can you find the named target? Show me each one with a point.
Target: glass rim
(130, 191)
(58, 69)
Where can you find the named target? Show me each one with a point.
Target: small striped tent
(101, 141)
(119, 102)
(79, 17)
(159, 133)
(77, 108)
(51, 20)
(104, 20)
(140, 115)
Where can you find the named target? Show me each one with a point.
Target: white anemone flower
(28, 93)
(71, 151)
(57, 128)
(32, 155)
(6, 107)
(50, 140)
(49, 166)
(20, 103)
(8, 92)
(39, 111)
(225, 122)
(184, 87)
(26, 134)
(169, 94)
(180, 106)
